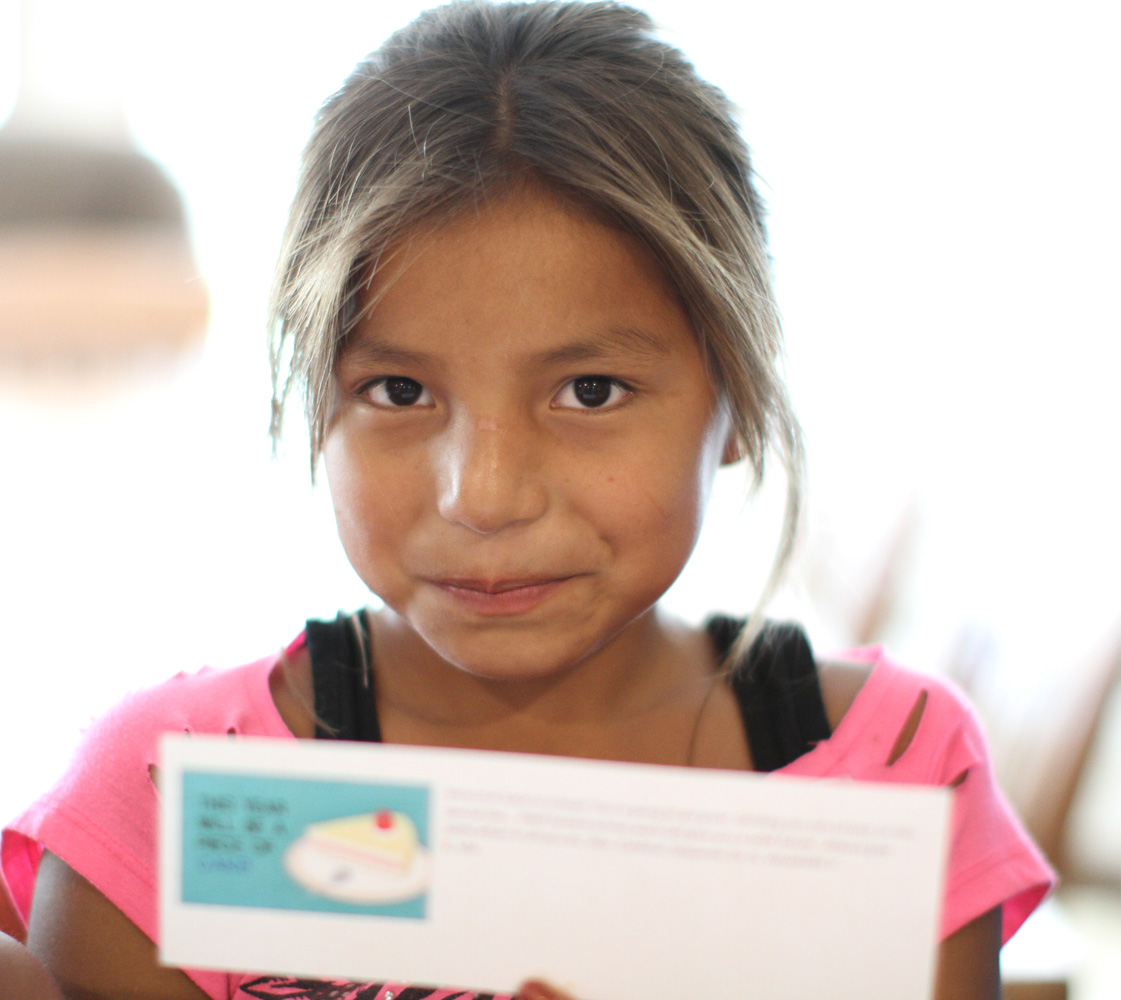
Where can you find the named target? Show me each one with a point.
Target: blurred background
(942, 182)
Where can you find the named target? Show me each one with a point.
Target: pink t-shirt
(101, 816)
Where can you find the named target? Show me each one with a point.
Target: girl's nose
(489, 476)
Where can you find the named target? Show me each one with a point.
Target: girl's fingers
(534, 989)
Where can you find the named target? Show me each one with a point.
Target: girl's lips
(501, 597)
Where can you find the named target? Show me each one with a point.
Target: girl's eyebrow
(365, 351)
(633, 343)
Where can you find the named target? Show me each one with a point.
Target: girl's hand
(534, 989)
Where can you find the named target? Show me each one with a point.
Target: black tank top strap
(341, 675)
(777, 687)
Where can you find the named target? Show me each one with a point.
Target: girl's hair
(475, 98)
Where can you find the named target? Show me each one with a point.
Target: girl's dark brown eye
(592, 390)
(403, 391)
(396, 390)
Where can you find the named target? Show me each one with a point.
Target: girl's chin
(508, 665)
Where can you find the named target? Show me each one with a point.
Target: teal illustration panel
(246, 842)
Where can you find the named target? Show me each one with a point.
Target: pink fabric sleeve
(101, 817)
(991, 861)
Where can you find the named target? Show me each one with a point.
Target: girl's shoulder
(100, 817)
(892, 723)
(841, 682)
(118, 755)
(292, 690)
(232, 701)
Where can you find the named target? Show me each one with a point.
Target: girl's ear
(733, 449)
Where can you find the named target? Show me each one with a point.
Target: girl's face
(523, 439)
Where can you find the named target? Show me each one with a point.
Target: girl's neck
(654, 674)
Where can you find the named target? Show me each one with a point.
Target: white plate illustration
(348, 880)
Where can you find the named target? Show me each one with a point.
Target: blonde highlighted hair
(580, 98)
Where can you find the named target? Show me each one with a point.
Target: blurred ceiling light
(95, 260)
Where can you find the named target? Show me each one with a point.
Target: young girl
(525, 293)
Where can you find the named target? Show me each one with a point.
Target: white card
(479, 870)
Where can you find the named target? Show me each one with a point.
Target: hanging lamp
(95, 259)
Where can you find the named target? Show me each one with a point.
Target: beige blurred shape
(95, 258)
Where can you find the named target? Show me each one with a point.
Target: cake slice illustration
(373, 857)
(384, 838)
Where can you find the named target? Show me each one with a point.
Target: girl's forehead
(528, 236)
(531, 271)
(525, 211)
